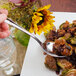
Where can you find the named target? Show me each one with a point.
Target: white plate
(34, 59)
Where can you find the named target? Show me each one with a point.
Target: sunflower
(42, 20)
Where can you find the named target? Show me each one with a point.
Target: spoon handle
(22, 29)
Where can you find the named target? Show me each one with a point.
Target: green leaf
(22, 37)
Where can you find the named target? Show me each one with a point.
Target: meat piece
(65, 26)
(62, 48)
(74, 23)
(67, 35)
(50, 62)
(60, 33)
(52, 35)
(64, 64)
(72, 30)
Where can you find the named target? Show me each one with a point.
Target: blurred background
(56, 6)
(60, 5)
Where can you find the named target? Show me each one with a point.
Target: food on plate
(64, 64)
(71, 72)
(50, 62)
(52, 35)
(64, 40)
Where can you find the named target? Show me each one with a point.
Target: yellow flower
(42, 20)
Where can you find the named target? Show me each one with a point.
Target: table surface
(21, 50)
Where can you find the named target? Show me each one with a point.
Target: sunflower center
(41, 21)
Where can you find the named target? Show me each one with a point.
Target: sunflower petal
(45, 7)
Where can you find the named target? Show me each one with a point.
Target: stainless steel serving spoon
(33, 36)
